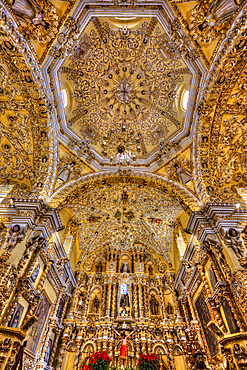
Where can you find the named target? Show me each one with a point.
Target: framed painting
(16, 318)
(229, 317)
(212, 277)
(205, 318)
(36, 330)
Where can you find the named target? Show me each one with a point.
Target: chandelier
(122, 148)
(121, 144)
(122, 238)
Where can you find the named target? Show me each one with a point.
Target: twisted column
(135, 304)
(108, 301)
(140, 300)
(113, 308)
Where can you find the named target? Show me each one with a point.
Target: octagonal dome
(130, 91)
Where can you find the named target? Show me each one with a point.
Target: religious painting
(229, 317)
(37, 328)
(212, 278)
(35, 273)
(205, 318)
(16, 318)
(60, 309)
(48, 351)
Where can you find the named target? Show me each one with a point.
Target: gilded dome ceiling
(127, 89)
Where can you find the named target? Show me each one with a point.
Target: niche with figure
(81, 301)
(124, 301)
(125, 263)
(94, 304)
(154, 304)
(99, 266)
(150, 268)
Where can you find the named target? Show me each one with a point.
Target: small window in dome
(185, 99)
(64, 98)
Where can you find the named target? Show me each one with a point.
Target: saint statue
(182, 174)
(99, 266)
(123, 349)
(154, 305)
(81, 301)
(65, 173)
(125, 267)
(95, 305)
(220, 11)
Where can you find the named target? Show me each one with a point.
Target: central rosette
(124, 91)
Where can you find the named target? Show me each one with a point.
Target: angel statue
(16, 235)
(232, 235)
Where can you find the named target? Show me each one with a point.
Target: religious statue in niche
(150, 270)
(99, 266)
(39, 19)
(154, 305)
(124, 309)
(65, 173)
(81, 301)
(232, 235)
(95, 304)
(182, 174)
(125, 267)
(169, 309)
(209, 18)
(180, 170)
(16, 235)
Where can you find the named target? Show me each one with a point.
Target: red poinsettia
(99, 361)
(85, 367)
(148, 362)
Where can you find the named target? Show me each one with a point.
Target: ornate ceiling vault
(26, 137)
(125, 80)
(123, 173)
(72, 189)
(221, 148)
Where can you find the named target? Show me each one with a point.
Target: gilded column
(145, 299)
(113, 308)
(103, 301)
(135, 304)
(140, 300)
(108, 301)
(162, 303)
(86, 303)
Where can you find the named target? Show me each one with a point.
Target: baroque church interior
(123, 173)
